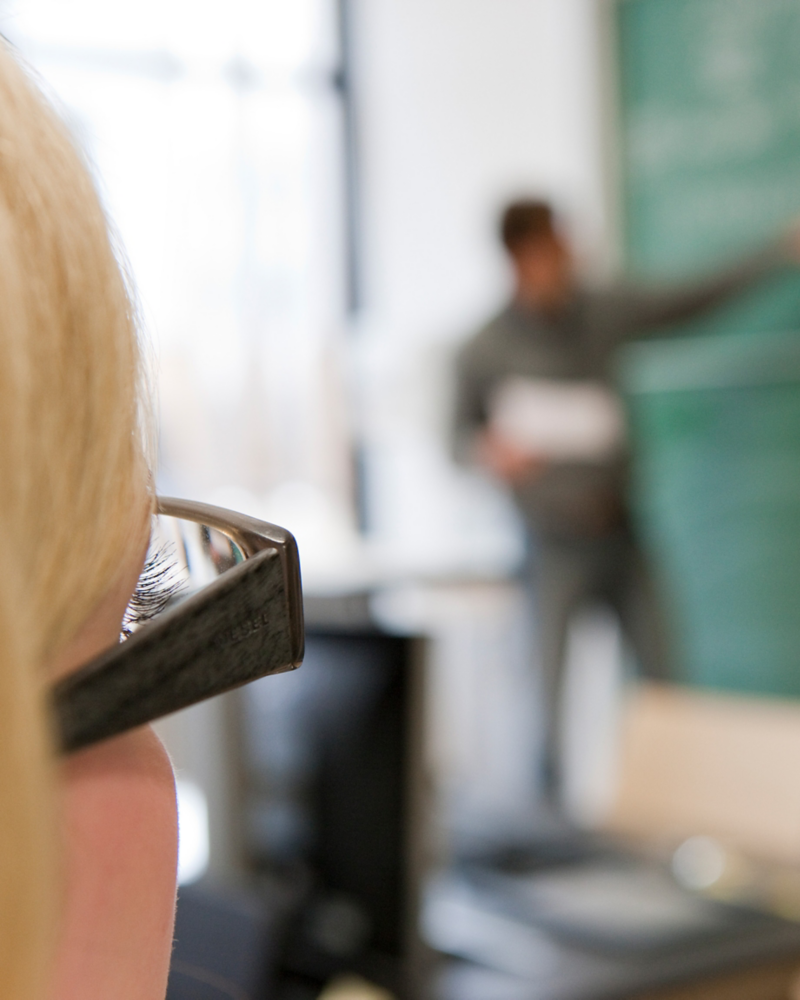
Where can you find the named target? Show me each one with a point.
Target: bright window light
(214, 131)
(193, 836)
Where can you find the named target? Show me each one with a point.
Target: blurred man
(536, 406)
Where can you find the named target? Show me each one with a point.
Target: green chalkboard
(710, 93)
(709, 97)
(710, 142)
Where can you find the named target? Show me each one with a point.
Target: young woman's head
(74, 494)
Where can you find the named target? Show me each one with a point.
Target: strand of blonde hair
(72, 480)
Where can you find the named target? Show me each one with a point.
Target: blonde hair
(73, 479)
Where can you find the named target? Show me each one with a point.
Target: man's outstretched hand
(791, 241)
(505, 460)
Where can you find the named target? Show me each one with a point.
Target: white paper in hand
(559, 420)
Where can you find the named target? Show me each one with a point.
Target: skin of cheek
(120, 845)
(120, 858)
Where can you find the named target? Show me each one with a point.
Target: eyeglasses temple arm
(252, 536)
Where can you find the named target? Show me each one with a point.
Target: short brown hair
(526, 219)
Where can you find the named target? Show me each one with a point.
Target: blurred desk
(773, 981)
(561, 922)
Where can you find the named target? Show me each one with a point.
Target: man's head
(540, 256)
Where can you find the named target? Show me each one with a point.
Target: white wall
(462, 103)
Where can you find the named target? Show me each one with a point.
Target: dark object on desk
(245, 624)
(329, 755)
(225, 947)
(604, 926)
(772, 980)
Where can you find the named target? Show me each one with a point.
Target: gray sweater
(574, 500)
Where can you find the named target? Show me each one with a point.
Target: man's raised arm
(631, 310)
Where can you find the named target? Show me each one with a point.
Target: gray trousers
(568, 574)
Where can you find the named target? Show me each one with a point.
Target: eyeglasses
(237, 616)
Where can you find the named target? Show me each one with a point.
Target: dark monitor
(327, 757)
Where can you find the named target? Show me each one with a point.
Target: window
(215, 134)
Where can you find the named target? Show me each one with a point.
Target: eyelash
(158, 584)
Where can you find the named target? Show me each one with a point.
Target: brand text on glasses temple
(241, 632)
